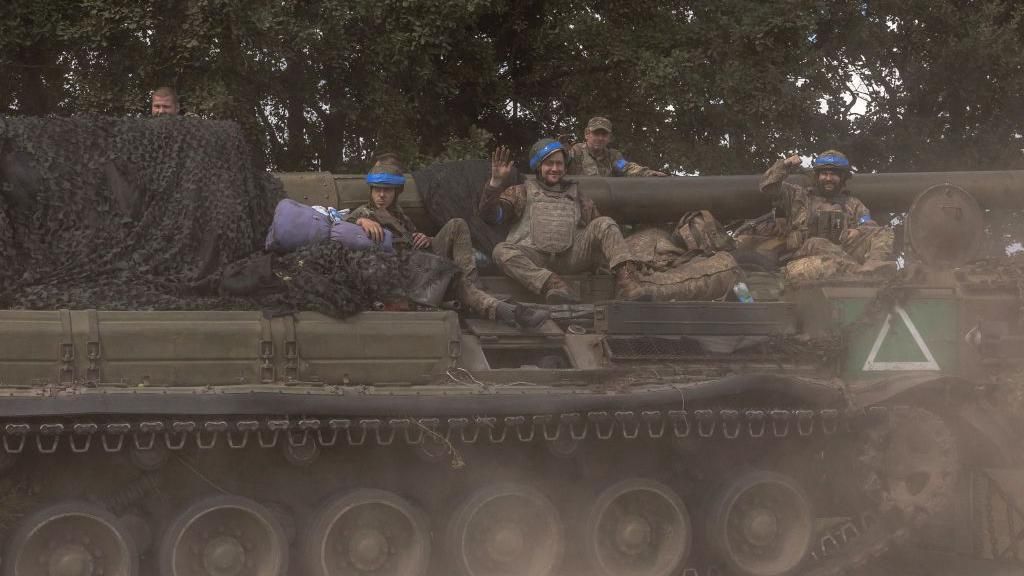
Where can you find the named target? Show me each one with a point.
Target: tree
(708, 86)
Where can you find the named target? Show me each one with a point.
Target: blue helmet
(543, 148)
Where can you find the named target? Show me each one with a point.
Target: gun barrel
(650, 199)
(733, 197)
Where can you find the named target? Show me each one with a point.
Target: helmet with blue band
(542, 149)
(387, 172)
(832, 160)
(384, 179)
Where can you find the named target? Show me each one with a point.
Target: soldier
(595, 158)
(452, 241)
(554, 227)
(825, 219)
(164, 101)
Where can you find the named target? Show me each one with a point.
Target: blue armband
(620, 165)
(864, 219)
(501, 215)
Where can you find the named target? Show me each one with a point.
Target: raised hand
(793, 160)
(501, 165)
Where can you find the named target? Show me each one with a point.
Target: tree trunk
(295, 156)
(35, 98)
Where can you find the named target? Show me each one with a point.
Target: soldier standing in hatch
(555, 228)
(824, 219)
(452, 241)
(164, 101)
(593, 157)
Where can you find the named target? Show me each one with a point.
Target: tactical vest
(548, 222)
(825, 220)
(591, 166)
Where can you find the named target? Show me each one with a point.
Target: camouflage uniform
(394, 219)
(806, 212)
(583, 162)
(452, 241)
(556, 230)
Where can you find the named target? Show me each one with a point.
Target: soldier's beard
(552, 180)
(827, 193)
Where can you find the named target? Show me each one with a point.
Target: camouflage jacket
(583, 163)
(395, 220)
(804, 208)
(499, 206)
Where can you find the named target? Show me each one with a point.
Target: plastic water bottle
(742, 293)
(480, 259)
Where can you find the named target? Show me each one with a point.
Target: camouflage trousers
(453, 241)
(600, 243)
(871, 243)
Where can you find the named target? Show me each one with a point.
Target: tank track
(176, 434)
(444, 438)
(852, 546)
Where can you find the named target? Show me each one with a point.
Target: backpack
(700, 231)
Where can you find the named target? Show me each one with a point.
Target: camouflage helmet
(387, 172)
(832, 160)
(543, 148)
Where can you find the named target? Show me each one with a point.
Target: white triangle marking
(871, 365)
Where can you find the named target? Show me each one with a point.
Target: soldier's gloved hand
(658, 173)
(849, 235)
(420, 240)
(372, 228)
(501, 165)
(793, 161)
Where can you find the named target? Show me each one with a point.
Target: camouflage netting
(453, 189)
(324, 277)
(129, 213)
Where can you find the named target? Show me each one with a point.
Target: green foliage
(715, 86)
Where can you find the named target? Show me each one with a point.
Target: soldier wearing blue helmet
(386, 181)
(555, 228)
(824, 219)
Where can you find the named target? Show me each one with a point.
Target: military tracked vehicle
(844, 427)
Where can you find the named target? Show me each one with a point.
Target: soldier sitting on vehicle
(452, 241)
(593, 157)
(825, 220)
(554, 227)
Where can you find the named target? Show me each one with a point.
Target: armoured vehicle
(842, 427)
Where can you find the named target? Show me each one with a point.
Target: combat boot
(556, 291)
(628, 286)
(517, 314)
(879, 268)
